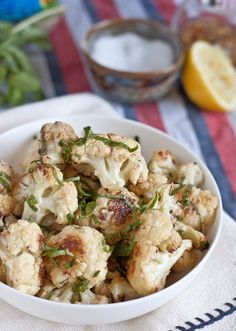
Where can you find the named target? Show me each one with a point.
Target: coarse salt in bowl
(132, 60)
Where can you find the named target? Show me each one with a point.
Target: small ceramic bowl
(130, 87)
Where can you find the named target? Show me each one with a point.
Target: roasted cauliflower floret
(157, 249)
(6, 199)
(189, 174)
(148, 267)
(147, 189)
(156, 227)
(116, 288)
(20, 253)
(115, 160)
(188, 260)
(52, 136)
(198, 239)
(31, 153)
(163, 163)
(167, 201)
(198, 207)
(43, 191)
(112, 211)
(76, 252)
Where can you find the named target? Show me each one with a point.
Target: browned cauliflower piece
(112, 211)
(6, 199)
(162, 162)
(76, 254)
(147, 189)
(198, 206)
(20, 253)
(43, 191)
(168, 202)
(188, 260)
(114, 165)
(52, 134)
(148, 266)
(157, 249)
(116, 288)
(189, 174)
(31, 153)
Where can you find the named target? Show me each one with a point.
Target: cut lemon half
(209, 78)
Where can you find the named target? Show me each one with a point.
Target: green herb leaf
(105, 247)
(70, 219)
(47, 192)
(70, 264)
(53, 252)
(90, 207)
(124, 249)
(5, 181)
(133, 226)
(81, 285)
(50, 294)
(96, 273)
(32, 202)
(73, 179)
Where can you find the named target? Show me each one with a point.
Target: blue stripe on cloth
(151, 9)
(211, 156)
(211, 319)
(129, 113)
(88, 5)
(55, 72)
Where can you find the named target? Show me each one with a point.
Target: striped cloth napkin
(210, 301)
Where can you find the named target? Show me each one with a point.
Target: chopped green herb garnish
(31, 220)
(133, 226)
(73, 179)
(70, 219)
(153, 202)
(185, 200)
(176, 189)
(32, 202)
(50, 294)
(53, 252)
(113, 143)
(47, 192)
(43, 148)
(54, 171)
(70, 264)
(96, 273)
(106, 248)
(124, 249)
(81, 285)
(90, 207)
(5, 181)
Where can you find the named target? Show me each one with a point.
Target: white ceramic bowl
(12, 144)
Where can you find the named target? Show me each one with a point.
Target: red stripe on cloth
(165, 8)
(69, 59)
(149, 114)
(105, 9)
(224, 139)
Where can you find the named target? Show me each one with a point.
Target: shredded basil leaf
(32, 202)
(53, 252)
(70, 264)
(124, 249)
(105, 247)
(73, 179)
(96, 273)
(81, 285)
(50, 294)
(5, 181)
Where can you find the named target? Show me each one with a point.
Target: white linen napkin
(81, 103)
(209, 302)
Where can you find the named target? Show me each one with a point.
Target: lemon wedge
(209, 78)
